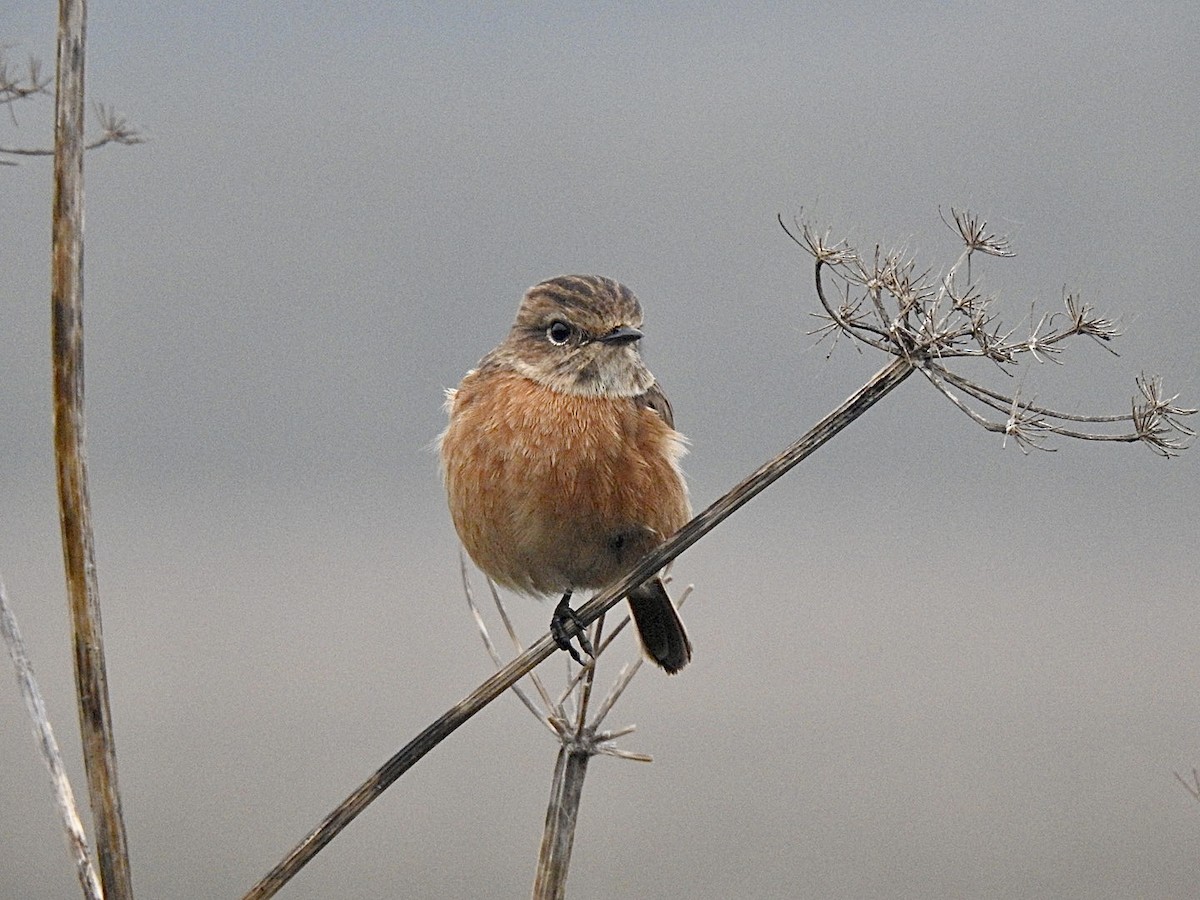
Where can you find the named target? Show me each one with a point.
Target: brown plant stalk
(66, 309)
(562, 812)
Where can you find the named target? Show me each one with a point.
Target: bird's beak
(625, 334)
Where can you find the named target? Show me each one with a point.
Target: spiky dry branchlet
(15, 86)
(890, 304)
(114, 128)
(566, 716)
(23, 85)
(1157, 420)
(975, 235)
(19, 86)
(577, 729)
(1085, 321)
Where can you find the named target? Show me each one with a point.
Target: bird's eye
(559, 332)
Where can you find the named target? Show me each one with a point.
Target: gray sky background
(925, 665)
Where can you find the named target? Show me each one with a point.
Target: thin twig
(491, 647)
(64, 797)
(1193, 786)
(553, 710)
(626, 676)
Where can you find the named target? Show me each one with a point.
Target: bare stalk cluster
(884, 301)
(567, 715)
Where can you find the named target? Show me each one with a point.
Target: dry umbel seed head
(887, 302)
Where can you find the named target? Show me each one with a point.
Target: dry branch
(64, 797)
(874, 390)
(66, 307)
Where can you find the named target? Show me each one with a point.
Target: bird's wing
(655, 399)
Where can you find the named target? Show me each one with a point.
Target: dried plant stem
(566, 791)
(48, 748)
(874, 390)
(66, 302)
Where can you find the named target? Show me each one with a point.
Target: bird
(561, 459)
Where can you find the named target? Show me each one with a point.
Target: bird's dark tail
(659, 626)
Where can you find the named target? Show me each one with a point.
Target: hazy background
(925, 665)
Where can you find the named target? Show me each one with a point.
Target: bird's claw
(560, 629)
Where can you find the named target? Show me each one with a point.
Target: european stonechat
(561, 459)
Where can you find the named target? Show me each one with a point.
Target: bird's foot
(560, 624)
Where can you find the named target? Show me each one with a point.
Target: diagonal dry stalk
(64, 797)
(1193, 786)
(884, 381)
(66, 307)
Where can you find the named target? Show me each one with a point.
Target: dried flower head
(886, 301)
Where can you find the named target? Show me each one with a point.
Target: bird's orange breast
(550, 491)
